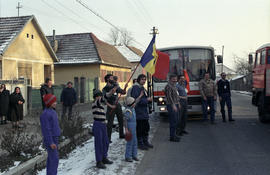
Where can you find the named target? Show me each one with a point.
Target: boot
(106, 161)
(146, 143)
(141, 145)
(100, 165)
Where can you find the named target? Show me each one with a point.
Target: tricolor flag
(155, 62)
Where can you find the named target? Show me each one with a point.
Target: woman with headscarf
(16, 107)
(4, 104)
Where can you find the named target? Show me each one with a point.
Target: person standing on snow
(50, 132)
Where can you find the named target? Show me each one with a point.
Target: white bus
(196, 60)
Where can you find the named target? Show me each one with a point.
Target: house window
(32, 36)
(25, 70)
(27, 35)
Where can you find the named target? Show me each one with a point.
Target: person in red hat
(50, 132)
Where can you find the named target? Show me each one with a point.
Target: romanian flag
(155, 62)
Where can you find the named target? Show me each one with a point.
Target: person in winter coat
(68, 99)
(142, 115)
(130, 118)
(50, 132)
(110, 93)
(224, 93)
(100, 130)
(4, 104)
(46, 88)
(16, 107)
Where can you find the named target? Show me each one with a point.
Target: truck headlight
(160, 99)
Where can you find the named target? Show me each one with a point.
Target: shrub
(19, 143)
(72, 127)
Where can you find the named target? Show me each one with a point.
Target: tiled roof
(109, 54)
(226, 69)
(129, 54)
(75, 48)
(10, 27)
(86, 48)
(136, 50)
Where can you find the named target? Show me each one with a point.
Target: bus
(196, 60)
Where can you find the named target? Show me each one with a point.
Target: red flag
(162, 66)
(187, 79)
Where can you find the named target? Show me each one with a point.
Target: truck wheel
(261, 110)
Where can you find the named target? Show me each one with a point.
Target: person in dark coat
(110, 93)
(224, 93)
(46, 88)
(50, 132)
(16, 107)
(4, 104)
(68, 99)
(142, 115)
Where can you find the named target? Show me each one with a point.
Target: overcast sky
(240, 25)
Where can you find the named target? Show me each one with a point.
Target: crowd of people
(133, 121)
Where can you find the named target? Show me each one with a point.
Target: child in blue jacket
(130, 118)
(50, 132)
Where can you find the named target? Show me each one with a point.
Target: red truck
(261, 81)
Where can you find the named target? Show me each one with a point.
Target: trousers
(101, 140)
(52, 159)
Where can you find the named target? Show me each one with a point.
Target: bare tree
(241, 65)
(126, 37)
(114, 36)
(120, 37)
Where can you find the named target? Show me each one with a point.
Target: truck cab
(261, 81)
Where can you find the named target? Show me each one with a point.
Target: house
(25, 53)
(133, 55)
(85, 60)
(230, 73)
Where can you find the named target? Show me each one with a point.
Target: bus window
(263, 57)
(268, 57)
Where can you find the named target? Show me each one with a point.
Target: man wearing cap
(224, 93)
(50, 132)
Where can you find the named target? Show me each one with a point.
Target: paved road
(240, 148)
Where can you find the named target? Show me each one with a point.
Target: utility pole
(222, 58)
(149, 77)
(18, 7)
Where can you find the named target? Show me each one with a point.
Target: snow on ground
(81, 161)
(243, 92)
(16, 163)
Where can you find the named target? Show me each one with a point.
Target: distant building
(25, 51)
(83, 58)
(229, 72)
(133, 55)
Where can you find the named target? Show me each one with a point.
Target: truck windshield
(197, 61)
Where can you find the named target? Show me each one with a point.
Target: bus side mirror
(219, 59)
(250, 58)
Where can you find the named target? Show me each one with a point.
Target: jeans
(205, 103)
(226, 98)
(173, 117)
(131, 146)
(182, 115)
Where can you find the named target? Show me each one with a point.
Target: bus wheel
(262, 110)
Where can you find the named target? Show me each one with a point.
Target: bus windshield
(196, 61)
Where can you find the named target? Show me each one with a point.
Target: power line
(145, 10)
(105, 20)
(64, 15)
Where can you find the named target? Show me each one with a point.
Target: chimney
(54, 42)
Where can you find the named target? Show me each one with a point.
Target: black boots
(146, 143)
(100, 165)
(106, 161)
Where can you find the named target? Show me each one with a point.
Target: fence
(242, 83)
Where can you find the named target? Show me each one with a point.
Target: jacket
(223, 87)
(111, 99)
(141, 107)
(49, 126)
(68, 96)
(16, 110)
(171, 94)
(4, 102)
(208, 88)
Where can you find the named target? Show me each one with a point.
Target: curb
(39, 159)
